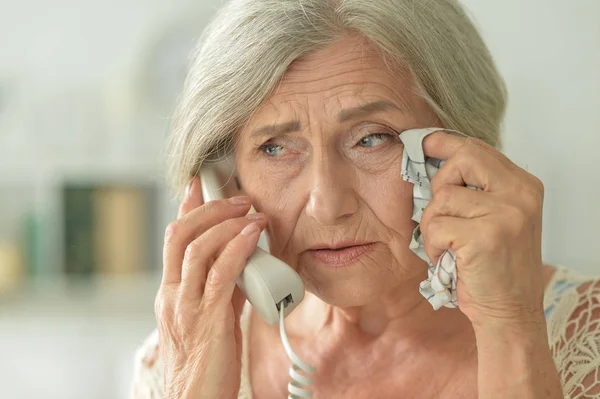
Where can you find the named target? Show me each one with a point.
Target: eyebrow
(344, 116)
(277, 130)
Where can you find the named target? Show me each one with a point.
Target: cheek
(279, 199)
(269, 194)
(391, 200)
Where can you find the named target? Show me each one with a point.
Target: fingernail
(242, 200)
(250, 229)
(256, 216)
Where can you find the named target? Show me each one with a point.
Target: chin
(347, 292)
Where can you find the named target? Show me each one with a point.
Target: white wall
(549, 54)
(71, 68)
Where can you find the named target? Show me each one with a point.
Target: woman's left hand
(495, 233)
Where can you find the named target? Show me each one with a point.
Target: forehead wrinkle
(362, 88)
(386, 82)
(356, 76)
(344, 89)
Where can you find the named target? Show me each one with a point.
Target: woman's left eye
(373, 140)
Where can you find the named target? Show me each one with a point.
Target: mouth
(341, 254)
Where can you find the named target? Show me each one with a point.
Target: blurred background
(86, 90)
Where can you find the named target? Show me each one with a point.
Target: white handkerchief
(440, 287)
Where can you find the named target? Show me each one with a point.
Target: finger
(458, 201)
(471, 166)
(183, 231)
(443, 233)
(192, 199)
(222, 276)
(201, 254)
(442, 145)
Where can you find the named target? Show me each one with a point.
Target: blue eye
(374, 140)
(271, 149)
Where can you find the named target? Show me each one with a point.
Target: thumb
(193, 197)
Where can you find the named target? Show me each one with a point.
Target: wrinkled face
(322, 159)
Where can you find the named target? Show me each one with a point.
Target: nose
(332, 197)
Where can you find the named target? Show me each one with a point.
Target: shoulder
(572, 306)
(148, 370)
(567, 290)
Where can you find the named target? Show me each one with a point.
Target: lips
(340, 255)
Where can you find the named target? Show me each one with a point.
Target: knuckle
(210, 206)
(161, 309)
(214, 283)
(228, 224)
(213, 206)
(465, 157)
(221, 272)
(473, 149)
(476, 142)
(194, 248)
(231, 247)
(172, 230)
(443, 195)
(433, 229)
(468, 147)
(235, 224)
(518, 220)
(532, 197)
(434, 223)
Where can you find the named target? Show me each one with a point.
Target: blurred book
(79, 227)
(120, 244)
(12, 268)
(107, 229)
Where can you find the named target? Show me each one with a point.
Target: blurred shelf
(52, 176)
(127, 296)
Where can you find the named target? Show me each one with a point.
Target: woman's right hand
(198, 305)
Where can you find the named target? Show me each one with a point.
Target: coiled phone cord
(299, 384)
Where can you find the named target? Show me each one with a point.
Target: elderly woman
(310, 97)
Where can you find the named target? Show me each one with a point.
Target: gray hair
(247, 48)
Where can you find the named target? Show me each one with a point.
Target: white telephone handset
(267, 281)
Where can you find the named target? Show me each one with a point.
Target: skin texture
(336, 177)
